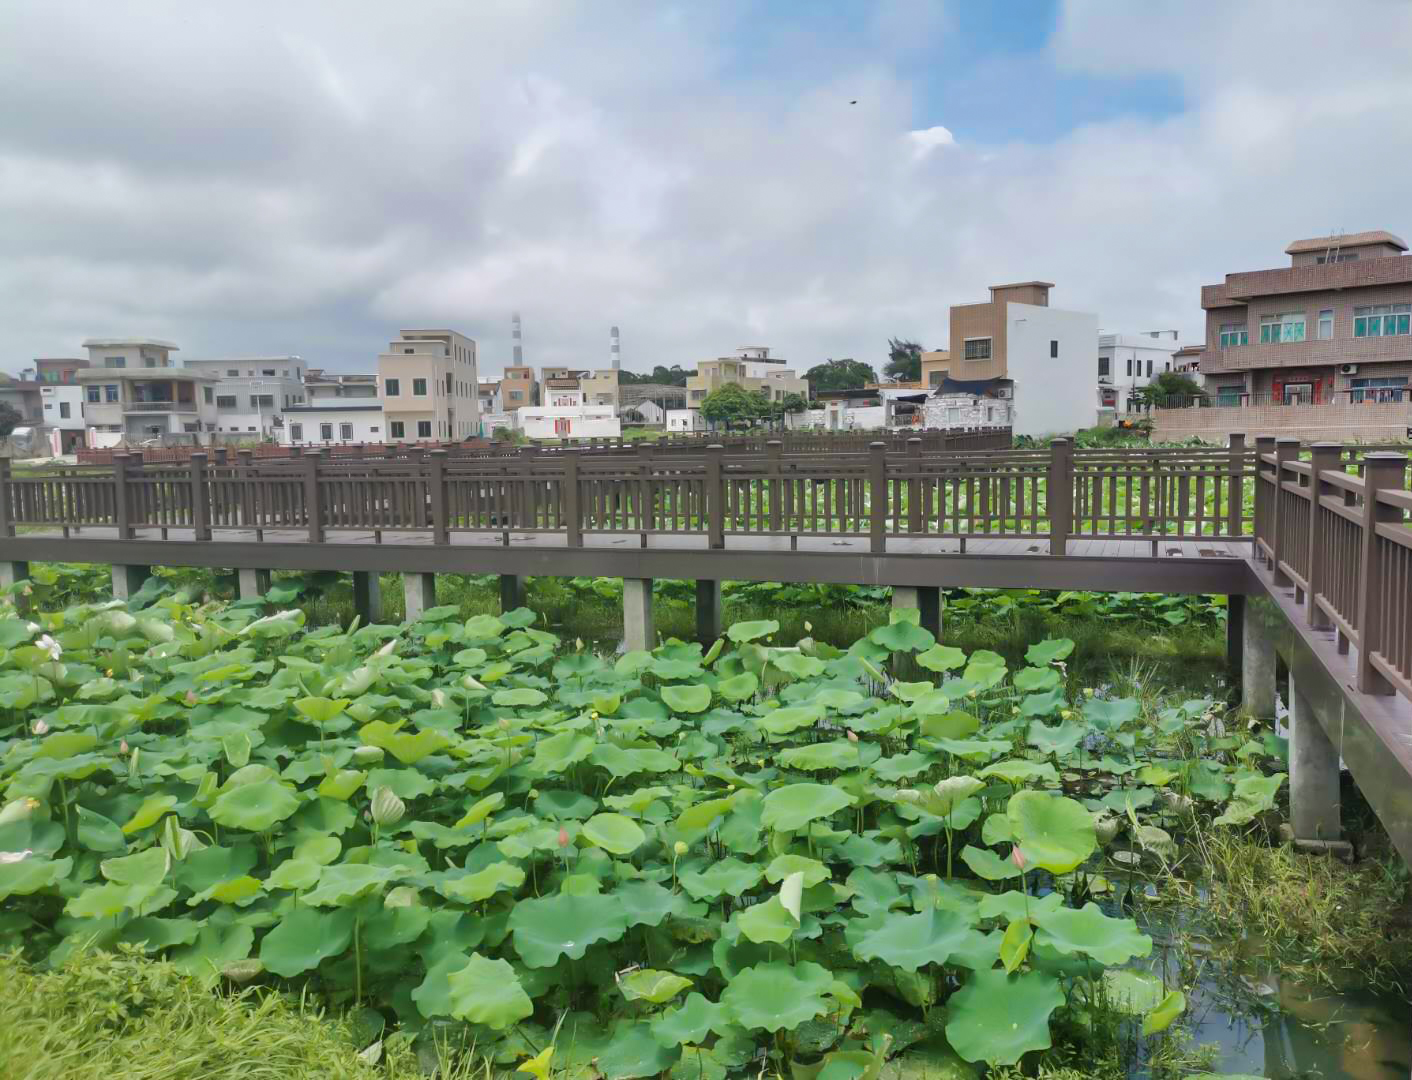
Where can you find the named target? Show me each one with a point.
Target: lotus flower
(563, 837)
(7, 857)
(387, 807)
(52, 647)
(41, 728)
(1017, 857)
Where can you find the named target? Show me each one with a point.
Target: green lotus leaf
(520, 696)
(700, 816)
(690, 1023)
(797, 665)
(294, 874)
(782, 866)
(725, 877)
(632, 1051)
(148, 867)
(998, 1018)
(1017, 772)
(790, 808)
(941, 658)
(255, 807)
(480, 810)
(1046, 652)
(776, 995)
(1061, 741)
(239, 891)
(149, 813)
(874, 893)
(901, 766)
(114, 898)
(1091, 933)
(647, 984)
(343, 883)
(952, 724)
(687, 699)
(1111, 715)
(484, 627)
(791, 718)
(31, 874)
(320, 849)
(668, 668)
(304, 939)
(614, 832)
(408, 749)
(216, 948)
(483, 884)
(987, 864)
(646, 903)
(470, 658)
(155, 934)
(839, 754)
(66, 744)
(985, 669)
(624, 762)
(909, 942)
(488, 992)
(555, 754)
(970, 749)
(1253, 795)
(322, 712)
(738, 687)
(750, 631)
(1033, 680)
(342, 784)
(1015, 945)
(1014, 906)
(564, 925)
(902, 635)
(767, 922)
(1133, 993)
(1053, 832)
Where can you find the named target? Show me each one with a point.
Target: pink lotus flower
(563, 837)
(191, 697)
(1018, 857)
(41, 728)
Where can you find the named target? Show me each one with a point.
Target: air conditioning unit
(1348, 369)
(1003, 393)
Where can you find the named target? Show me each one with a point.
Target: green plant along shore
(754, 857)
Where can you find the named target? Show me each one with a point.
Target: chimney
(515, 334)
(613, 354)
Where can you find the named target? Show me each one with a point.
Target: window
(515, 395)
(392, 387)
(1130, 365)
(977, 348)
(1322, 259)
(262, 401)
(374, 429)
(207, 394)
(424, 429)
(1149, 368)
(110, 394)
(1384, 320)
(345, 432)
(326, 432)
(448, 383)
(419, 388)
(267, 371)
(1234, 334)
(225, 401)
(1326, 324)
(395, 429)
(408, 351)
(1378, 390)
(296, 432)
(1053, 350)
(91, 394)
(1282, 329)
(115, 361)
(232, 373)
(63, 410)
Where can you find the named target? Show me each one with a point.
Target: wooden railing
(1344, 542)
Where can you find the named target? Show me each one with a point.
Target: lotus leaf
(985, 669)
(1053, 832)
(1043, 653)
(255, 807)
(549, 927)
(941, 658)
(1061, 740)
(797, 664)
(998, 1018)
(518, 697)
(487, 992)
(1165, 1014)
(767, 922)
(987, 864)
(1091, 933)
(839, 754)
(149, 813)
(645, 903)
(614, 832)
(1017, 772)
(31, 874)
(690, 1023)
(556, 753)
(750, 631)
(777, 995)
(304, 939)
(482, 885)
(782, 866)
(647, 984)
(1134, 993)
(1015, 945)
(789, 719)
(729, 877)
(902, 635)
(790, 808)
(910, 941)
(341, 884)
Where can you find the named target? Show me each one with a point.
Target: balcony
(160, 407)
(1375, 414)
(1310, 353)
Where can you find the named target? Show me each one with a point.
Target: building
(1129, 362)
(648, 403)
(562, 387)
(1318, 349)
(1015, 347)
(685, 421)
(62, 370)
(1187, 361)
(24, 396)
(337, 409)
(600, 387)
(570, 422)
(253, 393)
(518, 388)
(488, 396)
(429, 386)
(134, 391)
(62, 405)
(752, 367)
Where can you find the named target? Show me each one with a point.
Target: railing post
(200, 499)
(1285, 450)
(1327, 457)
(569, 497)
(1264, 445)
(877, 497)
(1380, 471)
(7, 521)
(715, 496)
(122, 497)
(914, 484)
(313, 506)
(436, 484)
(1235, 489)
(1059, 498)
(775, 457)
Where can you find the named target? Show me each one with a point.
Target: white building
(63, 416)
(685, 421)
(253, 394)
(570, 422)
(1049, 352)
(1128, 362)
(135, 391)
(337, 409)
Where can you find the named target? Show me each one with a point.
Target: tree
(840, 375)
(733, 404)
(1168, 386)
(10, 418)
(904, 360)
(675, 375)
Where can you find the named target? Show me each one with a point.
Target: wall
(368, 426)
(685, 420)
(1369, 422)
(53, 395)
(1052, 396)
(582, 422)
(978, 321)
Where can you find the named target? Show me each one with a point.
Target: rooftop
(1345, 240)
(125, 343)
(1025, 285)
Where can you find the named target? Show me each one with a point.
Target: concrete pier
(1313, 772)
(367, 596)
(512, 592)
(419, 594)
(637, 613)
(1257, 666)
(127, 580)
(253, 583)
(926, 599)
(708, 611)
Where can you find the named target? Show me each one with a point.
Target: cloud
(307, 177)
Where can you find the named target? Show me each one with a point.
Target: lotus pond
(764, 856)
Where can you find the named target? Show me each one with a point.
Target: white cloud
(280, 177)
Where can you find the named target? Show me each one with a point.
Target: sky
(297, 177)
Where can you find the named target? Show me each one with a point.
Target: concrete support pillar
(1257, 668)
(419, 593)
(127, 580)
(512, 592)
(11, 572)
(926, 599)
(708, 611)
(1235, 635)
(637, 613)
(1313, 773)
(367, 596)
(253, 583)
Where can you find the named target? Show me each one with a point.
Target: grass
(120, 1016)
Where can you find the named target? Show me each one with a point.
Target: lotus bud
(52, 647)
(971, 693)
(808, 627)
(387, 807)
(730, 787)
(679, 849)
(18, 810)
(1015, 710)
(853, 736)
(563, 837)
(368, 755)
(1064, 714)
(1017, 857)
(1088, 691)
(1105, 828)
(41, 728)
(504, 724)
(191, 697)
(122, 747)
(438, 698)
(109, 673)
(593, 715)
(534, 793)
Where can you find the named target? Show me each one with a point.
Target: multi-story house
(1318, 349)
(518, 388)
(1129, 362)
(134, 391)
(336, 409)
(429, 386)
(1017, 349)
(752, 367)
(253, 393)
(600, 387)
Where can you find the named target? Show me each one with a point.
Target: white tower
(613, 354)
(519, 345)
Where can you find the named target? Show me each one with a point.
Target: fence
(1344, 542)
